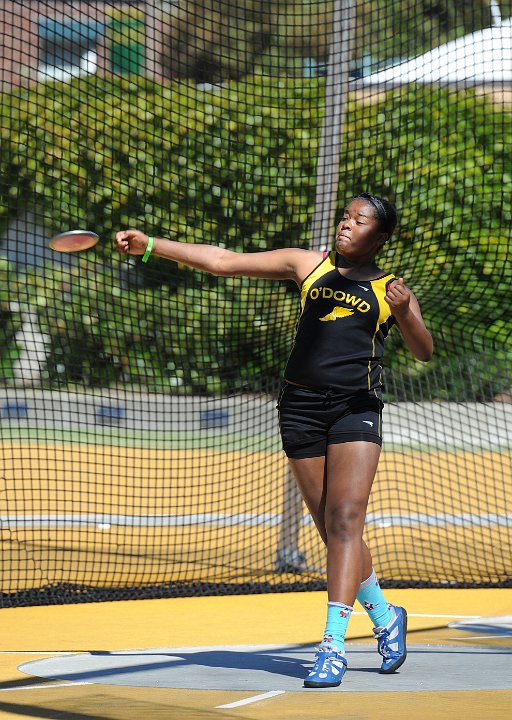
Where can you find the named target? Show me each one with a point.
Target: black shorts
(310, 420)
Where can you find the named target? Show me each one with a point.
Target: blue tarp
(74, 30)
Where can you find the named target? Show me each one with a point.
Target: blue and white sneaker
(328, 670)
(391, 641)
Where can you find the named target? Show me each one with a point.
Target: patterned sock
(371, 598)
(338, 615)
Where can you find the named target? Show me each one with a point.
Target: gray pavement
(282, 668)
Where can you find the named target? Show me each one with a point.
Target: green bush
(184, 338)
(444, 158)
(10, 317)
(236, 167)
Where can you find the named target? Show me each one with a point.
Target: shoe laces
(332, 650)
(330, 653)
(382, 636)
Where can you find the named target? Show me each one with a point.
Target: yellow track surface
(65, 481)
(37, 632)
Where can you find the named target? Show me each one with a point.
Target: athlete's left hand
(398, 297)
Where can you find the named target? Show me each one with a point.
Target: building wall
(19, 37)
(19, 42)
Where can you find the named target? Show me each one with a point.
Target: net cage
(140, 453)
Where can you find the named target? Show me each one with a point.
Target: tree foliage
(218, 40)
(238, 170)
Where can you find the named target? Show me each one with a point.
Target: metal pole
(496, 13)
(336, 92)
(289, 558)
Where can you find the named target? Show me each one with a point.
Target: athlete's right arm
(286, 263)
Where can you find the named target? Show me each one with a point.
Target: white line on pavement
(254, 698)
(44, 687)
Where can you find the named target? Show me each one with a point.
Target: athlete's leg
(350, 471)
(366, 562)
(336, 490)
(373, 601)
(310, 476)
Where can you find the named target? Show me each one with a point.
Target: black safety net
(140, 453)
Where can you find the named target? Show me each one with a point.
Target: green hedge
(445, 157)
(182, 338)
(236, 167)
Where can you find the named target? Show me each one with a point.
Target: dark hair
(384, 211)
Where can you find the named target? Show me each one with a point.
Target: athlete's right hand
(131, 242)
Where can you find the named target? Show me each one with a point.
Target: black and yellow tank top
(341, 330)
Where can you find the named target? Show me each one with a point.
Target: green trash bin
(127, 45)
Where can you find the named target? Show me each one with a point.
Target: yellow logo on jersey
(325, 293)
(337, 312)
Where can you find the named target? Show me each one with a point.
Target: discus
(74, 240)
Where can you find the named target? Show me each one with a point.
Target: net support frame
(327, 182)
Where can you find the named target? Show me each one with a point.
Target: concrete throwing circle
(487, 627)
(268, 668)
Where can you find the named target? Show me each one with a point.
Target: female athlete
(330, 406)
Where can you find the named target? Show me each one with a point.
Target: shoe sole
(323, 684)
(313, 684)
(401, 661)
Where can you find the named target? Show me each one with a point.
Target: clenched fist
(131, 242)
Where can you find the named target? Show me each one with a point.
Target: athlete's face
(358, 235)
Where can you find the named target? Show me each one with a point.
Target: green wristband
(149, 248)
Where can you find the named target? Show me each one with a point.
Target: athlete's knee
(345, 522)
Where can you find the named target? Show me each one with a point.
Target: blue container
(110, 414)
(213, 419)
(15, 410)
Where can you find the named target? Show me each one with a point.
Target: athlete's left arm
(406, 311)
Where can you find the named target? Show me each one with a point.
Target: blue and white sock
(371, 598)
(338, 615)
